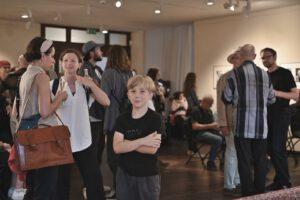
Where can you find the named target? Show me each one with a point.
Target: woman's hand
(86, 81)
(63, 95)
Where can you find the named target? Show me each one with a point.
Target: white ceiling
(134, 15)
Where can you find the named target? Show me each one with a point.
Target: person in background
(137, 139)
(4, 70)
(178, 110)
(206, 129)
(113, 83)
(91, 55)
(159, 94)
(40, 183)
(279, 116)
(5, 134)
(11, 81)
(231, 174)
(22, 63)
(5, 172)
(5, 66)
(250, 98)
(76, 106)
(189, 90)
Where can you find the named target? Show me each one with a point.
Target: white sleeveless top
(74, 114)
(32, 107)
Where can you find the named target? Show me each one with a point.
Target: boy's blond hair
(142, 81)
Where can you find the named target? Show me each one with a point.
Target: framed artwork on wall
(219, 70)
(295, 69)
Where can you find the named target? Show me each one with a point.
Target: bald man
(206, 129)
(249, 90)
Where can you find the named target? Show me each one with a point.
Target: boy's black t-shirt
(135, 163)
(282, 80)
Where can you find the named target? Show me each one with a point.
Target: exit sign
(92, 31)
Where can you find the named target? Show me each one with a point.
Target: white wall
(14, 38)
(215, 39)
(137, 51)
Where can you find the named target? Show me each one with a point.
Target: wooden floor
(181, 182)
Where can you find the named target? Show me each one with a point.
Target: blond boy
(137, 139)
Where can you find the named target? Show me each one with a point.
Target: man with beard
(279, 116)
(91, 54)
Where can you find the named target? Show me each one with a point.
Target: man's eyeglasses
(266, 57)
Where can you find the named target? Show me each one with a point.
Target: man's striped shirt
(250, 90)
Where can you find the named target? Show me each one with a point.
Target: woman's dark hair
(76, 52)
(33, 50)
(117, 57)
(177, 94)
(189, 83)
(152, 73)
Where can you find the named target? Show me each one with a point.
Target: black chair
(292, 140)
(198, 153)
(199, 149)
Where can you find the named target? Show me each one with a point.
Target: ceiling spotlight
(24, 16)
(157, 11)
(231, 5)
(210, 2)
(158, 8)
(103, 29)
(118, 3)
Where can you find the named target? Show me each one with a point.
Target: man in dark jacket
(91, 55)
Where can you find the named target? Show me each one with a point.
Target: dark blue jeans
(214, 139)
(278, 123)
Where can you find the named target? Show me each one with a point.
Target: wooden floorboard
(178, 180)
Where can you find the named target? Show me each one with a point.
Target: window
(118, 39)
(56, 34)
(81, 36)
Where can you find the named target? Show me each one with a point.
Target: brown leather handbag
(41, 147)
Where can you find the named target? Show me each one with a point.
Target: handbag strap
(59, 118)
(26, 101)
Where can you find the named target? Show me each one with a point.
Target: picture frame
(219, 70)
